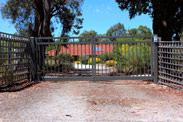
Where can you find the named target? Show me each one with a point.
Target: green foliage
(84, 59)
(98, 60)
(140, 31)
(38, 17)
(106, 56)
(77, 62)
(91, 33)
(111, 63)
(133, 39)
(64, 58)
(8, 76)
(181, 36)
(116, 30)
(50, 47)
(166, 15)
(61, 63)
(132, 58)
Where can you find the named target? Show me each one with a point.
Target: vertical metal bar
(81, 59)
(94, 39)
(70, 57)
(74, 56)
(55, 60)
(129, 54)
(113, 51)
(92, 44)
(105, 58)
(66, 65)
(62, 60)
(152, 54)
(28, 62)
(79, 72)
(85, 55)
(148, 61)
(43, 60)
(9, 53)
(121, 58)
(140, 61)
(89, 53)
(110, 54)
(32, 55)
(37, 58)
(94, 59)
(144, 59)
(137, 59)
(47, 60)
(125, 59)
(133, 48)
(101, 59)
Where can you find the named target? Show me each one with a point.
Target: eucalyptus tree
(41, 17)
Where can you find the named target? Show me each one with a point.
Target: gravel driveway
(88, 101)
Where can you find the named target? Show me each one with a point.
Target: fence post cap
(155, 38)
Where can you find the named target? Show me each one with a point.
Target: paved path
(87, 101)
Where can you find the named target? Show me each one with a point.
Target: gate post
(155, 45)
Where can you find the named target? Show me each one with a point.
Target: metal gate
(94, 58)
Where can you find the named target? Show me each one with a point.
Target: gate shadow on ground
(125, 82)
(18, 87)
(108, 82)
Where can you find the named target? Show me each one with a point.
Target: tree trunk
(163, 23)
(47, 18)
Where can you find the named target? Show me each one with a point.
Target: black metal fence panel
(95, 58)
(14, 60)
(171, 63)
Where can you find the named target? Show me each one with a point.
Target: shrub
(84, 59)
(134, 59)
(111, 63)
(98, 60)
(77, 62)
(64, 58)
(106, 56)
(61, 63)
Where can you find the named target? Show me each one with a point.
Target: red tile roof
(82, 49)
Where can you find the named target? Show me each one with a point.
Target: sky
(99, 15)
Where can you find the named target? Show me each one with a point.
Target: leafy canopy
(116, 30)
(166, 15)
(87, 34)
(42, 17)
(140, 31)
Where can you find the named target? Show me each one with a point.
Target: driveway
(88, 101)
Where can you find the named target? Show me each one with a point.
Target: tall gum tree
(40, 18)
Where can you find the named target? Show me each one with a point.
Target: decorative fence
(14, 60)
(170, 59)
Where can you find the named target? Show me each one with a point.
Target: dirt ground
(88, 101)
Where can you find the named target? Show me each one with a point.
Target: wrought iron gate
(94, 58)
(24, 59)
